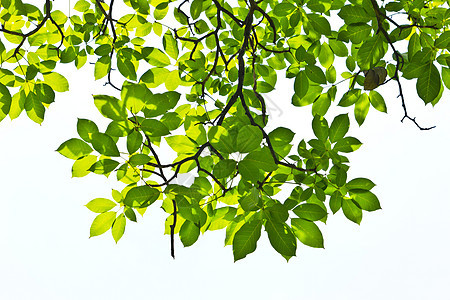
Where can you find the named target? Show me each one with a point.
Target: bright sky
(399, 252)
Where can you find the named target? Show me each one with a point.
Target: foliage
(215, 60)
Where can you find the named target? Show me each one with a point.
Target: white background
(399, 252)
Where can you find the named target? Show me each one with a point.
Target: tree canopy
(193, 77)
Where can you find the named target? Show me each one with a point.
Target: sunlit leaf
(74, 148)
(101, 205)
(102, 223)
(245, 239)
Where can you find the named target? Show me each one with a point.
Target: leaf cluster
(194, 77)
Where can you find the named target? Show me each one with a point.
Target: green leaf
(281, 136)
(189, 233)
(154, 128)
(86, 128)
(335, 201)
(326, 56)
(224, 168)
(130, 214)
(245, 239)
(347, 144)
(81, 59)
(362, 108)
(321, 105)
(173, 80)
(141, 6)
(263, 159)
(118, 227)
(155, 57)
(139, 159)
(351, 211)
(283, 9)
(320, 127)
(301, 84)
(196, 8)
(307, 232)
(82, 5)
(17, 105)
(126, 68)
(429, 84)
(353, 14)
(281, 238)
(158, 104)
(110, 107)
(360, 183)
(315, 74)
(74, 148)
(101, 205)
(338, 47)
(365, 199)
(44, 93)
(350, 98)
(102, 67)
(370, 52)
(56, 81)
(358, 32)
(339, 127)
(144, 29)
(134, 141)
(248, 139)
(377, 101)
(310, 211)
(5, 101)
(104, 144)
(141, 196)
(34, 108)
(443, 41)
(104, 166)
(172, 120)
(220, 138)
(181, 144)
(134, 96)
(341, 177)
(251, 201)
(446, 77)
(321, 6)
(320, 24)
(414, 45)
(278, 212)
(103, 50)
(154, 77)
(81, 166)
(170, 44)
(119, 129)
(102, 223)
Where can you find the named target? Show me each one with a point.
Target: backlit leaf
(101, 205)
(141, 196)
(189, 233)
(56, 81)
(245, 239)
(118, 228)
(365, 199)
(307, 232)
(74, 148)
(339, 127)
(281, 238)
(351, 211)
(102, 223)
(104, 144)
(429, 84)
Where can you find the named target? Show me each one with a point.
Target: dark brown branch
(398, 58)
(30, 33)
